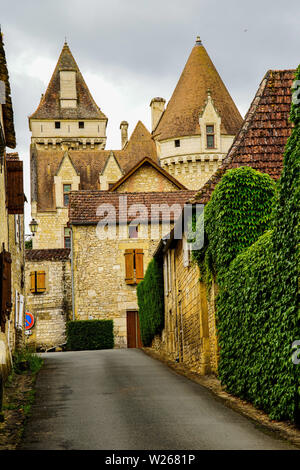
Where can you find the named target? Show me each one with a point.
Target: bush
(25, 359)
(150, 294)
(90, 334)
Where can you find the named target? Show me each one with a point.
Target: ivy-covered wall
(150, 294)
(258, 272)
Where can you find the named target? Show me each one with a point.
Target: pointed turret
(181, 117)
(67, 95)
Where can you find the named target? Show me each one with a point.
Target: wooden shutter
(5, 287)
(32, 281)
(40, 281)
(129, 266)
(14, 189)
(139, 265)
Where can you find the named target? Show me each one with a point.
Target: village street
(124, 399)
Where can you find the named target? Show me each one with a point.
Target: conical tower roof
(199, 76)
(49, 107)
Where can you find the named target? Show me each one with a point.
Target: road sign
(29, 320)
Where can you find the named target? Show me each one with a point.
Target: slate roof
(49, 106)
(181, 117)
(83, 204)
(47, 163)
(7, 109)
(261, 140)
(56, 254)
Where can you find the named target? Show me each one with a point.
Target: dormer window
(67, 189)
(177, 143)
(81, 125)
(210, 136)
(57, 124)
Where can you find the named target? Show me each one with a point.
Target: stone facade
(53, 307)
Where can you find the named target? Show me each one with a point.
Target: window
(133, 231)
(210, 136)
(110, 185)
(177, 143)
(134, 266)
(57, 124)
(67, 189)
(37, 282)
(81, 125)
(67, 237)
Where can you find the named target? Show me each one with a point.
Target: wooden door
(133, 330)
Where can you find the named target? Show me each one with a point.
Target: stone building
(190, 333)
(12, 265)
(195, 131)
(111, 251)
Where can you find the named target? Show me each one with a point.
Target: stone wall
(147, 179)
(99, 276)
(51, 308)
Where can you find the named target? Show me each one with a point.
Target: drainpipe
(72, 276)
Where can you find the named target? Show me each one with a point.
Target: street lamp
(33, 227)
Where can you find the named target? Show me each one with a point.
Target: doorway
(133, 330)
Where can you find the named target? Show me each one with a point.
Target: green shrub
(90, 334)
(150, 294)
(25, 359)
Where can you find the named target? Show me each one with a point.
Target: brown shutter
(40, 281)
(32, 281)
(5, 286)
(139, 265)
(14, 189)
(129, 266)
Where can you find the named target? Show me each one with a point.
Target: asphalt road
(124, 399)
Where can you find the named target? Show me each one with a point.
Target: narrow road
(124, 399)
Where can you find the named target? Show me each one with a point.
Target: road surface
(124, 399)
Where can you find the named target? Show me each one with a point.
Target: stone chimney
(157, 106)
(124, 133)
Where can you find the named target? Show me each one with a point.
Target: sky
(130, 51)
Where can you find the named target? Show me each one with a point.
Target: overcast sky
(132, 50)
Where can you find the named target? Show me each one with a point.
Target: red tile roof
(261, 140)
(57, 254)
(83, 205)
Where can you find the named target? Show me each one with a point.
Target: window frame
(210, 134)
(57, 124)
(67, 237)
(177, 143)
(66, 193)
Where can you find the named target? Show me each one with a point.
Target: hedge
(150, 294)
(89, 334)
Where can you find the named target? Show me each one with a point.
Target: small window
(37, 282)
(81, 125)
(110, 185)
(67, 189)
(67, 237)
(133, 231)
(210, 136)
(57, 124)
(177, 143)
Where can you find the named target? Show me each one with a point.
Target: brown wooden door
(133, 330)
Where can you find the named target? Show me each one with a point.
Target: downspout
(72, 276)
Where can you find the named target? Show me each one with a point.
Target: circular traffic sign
(29, 320)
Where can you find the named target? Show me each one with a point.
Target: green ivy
(150, 294)
(257, 309)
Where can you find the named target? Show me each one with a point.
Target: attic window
(177, 143)
(81, 125)
(210, 136)
(67, 189)
(57, 124)
(133, 231)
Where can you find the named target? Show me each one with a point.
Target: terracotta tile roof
(57, 254)
(7, 109)
(83, 204)
(181, 117)
(148, 161)
(49, 106)
(262, 138)
(48, 161)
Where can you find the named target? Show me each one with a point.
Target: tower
(195, 131)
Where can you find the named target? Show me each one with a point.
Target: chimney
(157, 106)
(124, 133)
